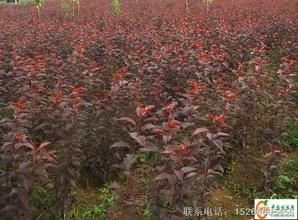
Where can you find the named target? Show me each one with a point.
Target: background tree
(116, 7)
(38, 4)
(187, 5)
(208, 2)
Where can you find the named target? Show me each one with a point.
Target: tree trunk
(38, 12)
(73, 9)
(187, 5)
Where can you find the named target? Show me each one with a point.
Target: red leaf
(28, 145)
(120, 144)
(200, 130)
(128, 161)
(141, 140)
(188, 169)
(44, 144)
(128, 120)
(163, 176)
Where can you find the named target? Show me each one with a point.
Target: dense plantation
(147, 99)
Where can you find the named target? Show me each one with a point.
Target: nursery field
(147, 109)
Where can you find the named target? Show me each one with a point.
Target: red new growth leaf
(57, 97)
(59, 84)
(221, 56)
(76, 102)
(20, 137)
(92, 64)
(119, 74)
(143, 111)
(198, 44)
(172, 123)
(169, 108)
(276, 149)
(76, 90)
(19, 105)
(219, 118)
(51, 155)
(182, 149)
(146, 110)
(205, 57)
(196, 87)
(229, 95)
(260, 64)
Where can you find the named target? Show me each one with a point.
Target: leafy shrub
(116, 7)
(189, 89)
(285, 184)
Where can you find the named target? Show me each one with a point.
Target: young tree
(38, 4)
(208, 2)
(77, 2)
(116, 7)
(73, 4)
(187, 5)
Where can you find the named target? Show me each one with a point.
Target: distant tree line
(10, 1)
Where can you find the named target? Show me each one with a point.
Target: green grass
(285, 183)
(274, 60)
(145, 157)
(25, 2)
(148, 211)
(6, 113)
(87, 210)
(99, 211)
(291, 139)
(242, 191)
(95, 212)
(45, 202)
